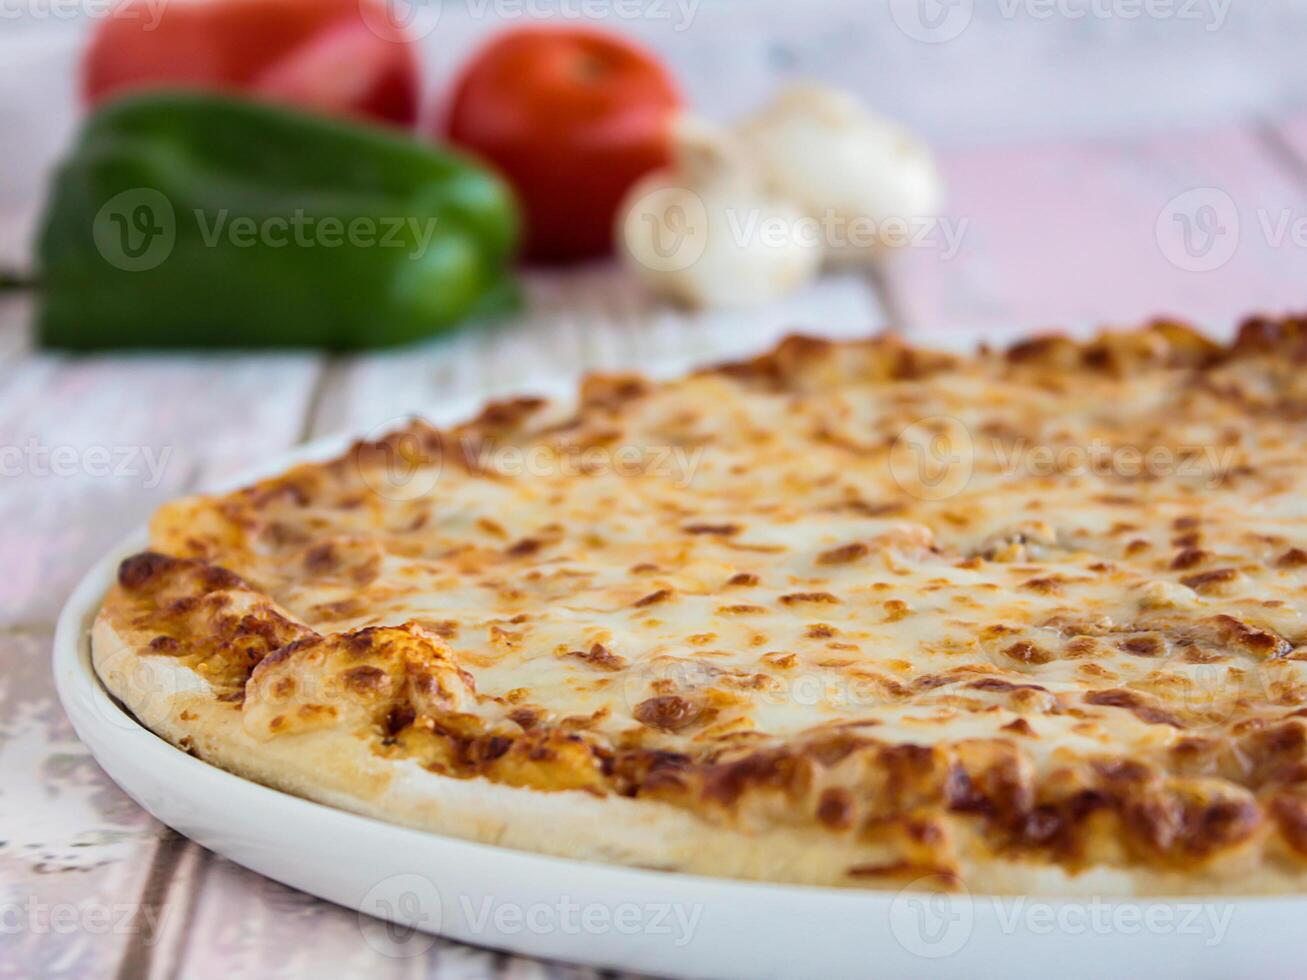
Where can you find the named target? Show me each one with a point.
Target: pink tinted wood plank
(1290, 134)
(74, 850)
(1110, 232)
(247, 925)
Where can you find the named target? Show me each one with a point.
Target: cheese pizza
(854, 614)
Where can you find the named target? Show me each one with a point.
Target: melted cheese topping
(1057, 592)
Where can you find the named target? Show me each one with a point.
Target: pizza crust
(343, 772)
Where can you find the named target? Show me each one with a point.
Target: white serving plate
(655, 922)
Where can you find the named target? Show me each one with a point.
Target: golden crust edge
(339, 770)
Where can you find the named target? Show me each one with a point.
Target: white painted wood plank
(591, 319)
(15, 313)
(90, 446)
(38, 113)
(73, 842)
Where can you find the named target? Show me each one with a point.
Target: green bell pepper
(193, 220)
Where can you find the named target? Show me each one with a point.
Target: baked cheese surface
(911, 614)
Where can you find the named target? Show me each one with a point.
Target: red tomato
(338, 56)
(572, 117)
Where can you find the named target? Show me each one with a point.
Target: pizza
(846, 613)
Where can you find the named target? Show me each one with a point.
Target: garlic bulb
(865, 178)
(707, 233)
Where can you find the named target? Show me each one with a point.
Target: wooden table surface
(1208, 224)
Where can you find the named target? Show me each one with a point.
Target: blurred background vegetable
(707, 231)
(572, 117)
(586, 127)
(845, 165)
(197, 220)
(748, 214)
(344, 57)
